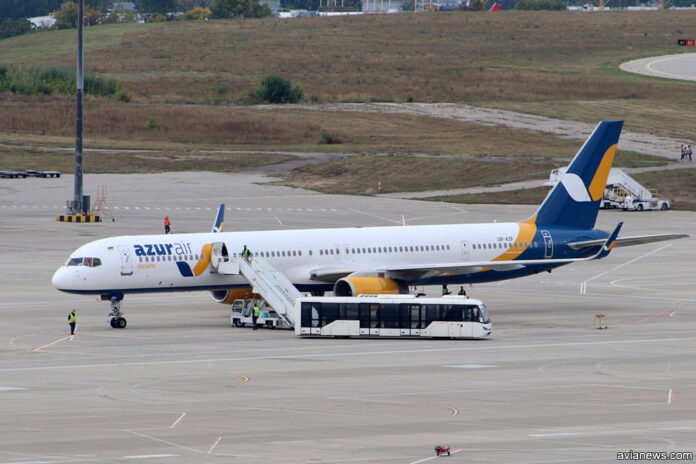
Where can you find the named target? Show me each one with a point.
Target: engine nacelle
(358, 285)
(228, 296)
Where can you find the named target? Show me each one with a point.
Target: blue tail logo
(574, 200)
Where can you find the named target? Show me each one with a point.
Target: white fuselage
(150, 263)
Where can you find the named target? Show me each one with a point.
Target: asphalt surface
(179, 385)
(681, 66)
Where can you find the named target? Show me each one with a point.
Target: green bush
(274, 88)
(47, 80)
(152, 123)
(123, 96)
(328, 138)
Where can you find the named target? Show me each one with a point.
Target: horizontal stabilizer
(627, 241)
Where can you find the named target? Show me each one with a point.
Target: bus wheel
(238, 323)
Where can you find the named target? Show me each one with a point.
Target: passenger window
(310, 252)
(299, 252)
(321, 252)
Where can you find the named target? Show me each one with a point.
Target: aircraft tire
(121, 323)
(112, 322)
(238, 323)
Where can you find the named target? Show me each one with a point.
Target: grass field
(191, 79)
(558, 63)
(678, 185)
(129, 162)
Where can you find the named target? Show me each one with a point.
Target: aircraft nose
(60, 279)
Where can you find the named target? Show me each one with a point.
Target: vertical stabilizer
(574, 200)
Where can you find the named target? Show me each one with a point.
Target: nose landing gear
(117, 320)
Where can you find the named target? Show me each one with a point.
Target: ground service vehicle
(392, 316)
(243, 309)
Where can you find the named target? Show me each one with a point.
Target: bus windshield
(484, 313)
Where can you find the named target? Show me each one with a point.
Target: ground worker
(167, 224)
(246, 254)
(255, 316)
(444, 290)
(72, 320)
(461, 291)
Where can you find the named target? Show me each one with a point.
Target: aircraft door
(548, 243)
(126, 263)
(465, 250)
(218, 253)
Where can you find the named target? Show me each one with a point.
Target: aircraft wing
(421, 271)
(627, 241)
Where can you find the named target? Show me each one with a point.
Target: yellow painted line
(14, 340)
(453, 411)
(649, 66)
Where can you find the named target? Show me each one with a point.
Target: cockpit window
(89, 262)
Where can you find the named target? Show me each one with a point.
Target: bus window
(410, 316)
(365, 315)
(389, 316)
(348, 311)
(329, 313)
(484, 314)
(429, 315)
(306, 315)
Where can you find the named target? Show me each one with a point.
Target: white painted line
(27, 462)
(352, 353)
(147, 456)
(164, 441)
(435, 457)
(559, 434)
(472, 366)
(4, 389)
(177, 421)
(677, 428)
(38, 348)
(213, 446)
(669, 397)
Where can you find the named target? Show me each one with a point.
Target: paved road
(681, 66)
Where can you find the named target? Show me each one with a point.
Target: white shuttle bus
(392, 316)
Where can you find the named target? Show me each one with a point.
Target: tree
(10, 28)
(66, 17)
(243, 8)
(540, 5)
(274, 88)
(157, 6)
(197, 14)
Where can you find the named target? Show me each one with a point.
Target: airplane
(374, 260)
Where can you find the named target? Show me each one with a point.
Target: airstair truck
(622, 191)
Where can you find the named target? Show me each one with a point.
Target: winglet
(219, 223)
(606, 248)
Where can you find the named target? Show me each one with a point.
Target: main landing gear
(117, 320)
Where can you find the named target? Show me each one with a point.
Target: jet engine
(358, 285)
(228, 296)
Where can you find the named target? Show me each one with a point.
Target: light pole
(77, 206)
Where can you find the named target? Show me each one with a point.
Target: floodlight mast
(77, 206)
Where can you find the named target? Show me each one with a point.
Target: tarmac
(179, 385)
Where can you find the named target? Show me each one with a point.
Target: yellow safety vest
(72, 318)
(256, 311)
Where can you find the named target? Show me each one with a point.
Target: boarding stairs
(266, 280)
(619, 184)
